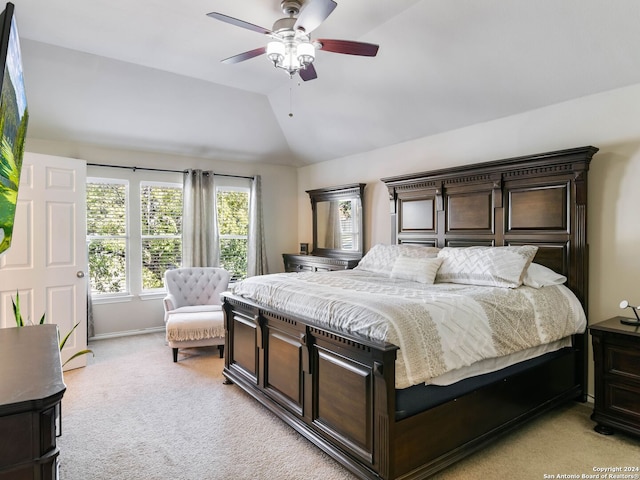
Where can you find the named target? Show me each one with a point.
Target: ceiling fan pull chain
(290, 102)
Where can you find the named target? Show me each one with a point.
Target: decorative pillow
(422, 270)
(381, 258)
(492, 266)
(539, 276)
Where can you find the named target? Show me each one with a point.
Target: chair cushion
(194, 325)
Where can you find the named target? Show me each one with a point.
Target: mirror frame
(342, 192)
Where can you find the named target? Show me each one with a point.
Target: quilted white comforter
(438, 328)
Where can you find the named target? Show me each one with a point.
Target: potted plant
(20, 322)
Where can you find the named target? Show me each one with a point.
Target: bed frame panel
(337, 389)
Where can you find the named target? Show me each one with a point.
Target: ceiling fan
(291, 47)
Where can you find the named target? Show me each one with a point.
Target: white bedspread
(438, 328)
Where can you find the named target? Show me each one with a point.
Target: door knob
(80, 274)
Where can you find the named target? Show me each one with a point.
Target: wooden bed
(337, 389)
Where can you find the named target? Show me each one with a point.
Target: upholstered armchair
(193, 313)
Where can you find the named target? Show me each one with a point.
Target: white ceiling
(146, 74)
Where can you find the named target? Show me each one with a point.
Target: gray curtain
(91, 328)
(257, 255)
(200, 243)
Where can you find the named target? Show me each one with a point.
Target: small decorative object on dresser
(628, 321)
(616, 353)
(338, 231)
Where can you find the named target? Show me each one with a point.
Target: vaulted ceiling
(146, 74)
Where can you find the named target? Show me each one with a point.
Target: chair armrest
(169, 302)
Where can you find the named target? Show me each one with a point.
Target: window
(161, 231)
(233, 224)
(134, 231)
(107, 235)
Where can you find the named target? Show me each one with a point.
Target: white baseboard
(127, 333)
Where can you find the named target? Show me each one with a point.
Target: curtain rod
(161, 170)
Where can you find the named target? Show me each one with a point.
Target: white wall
(279, 195)
(610, 121)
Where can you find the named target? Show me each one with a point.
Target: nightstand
(616, 354)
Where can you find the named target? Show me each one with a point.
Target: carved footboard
(335, 389)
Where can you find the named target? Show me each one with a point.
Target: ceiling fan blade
(348, 47)
(241, 57)
(308, 73)
(239, 23)
(313, 14)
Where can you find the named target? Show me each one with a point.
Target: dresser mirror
(338, 220)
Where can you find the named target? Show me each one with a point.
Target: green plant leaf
(16, 310)
(77, 354)
(66, 337)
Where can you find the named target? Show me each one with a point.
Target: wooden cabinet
(31, 389)
(316, 263)
(616, 352)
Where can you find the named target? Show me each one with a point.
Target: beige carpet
(134, 414)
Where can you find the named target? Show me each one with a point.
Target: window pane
(158, 255)
(107, 265)
(161, 227)
(233, 224)
(106, 209)
(233, 257)
(161, 210)
(106, 232)
(233, 212)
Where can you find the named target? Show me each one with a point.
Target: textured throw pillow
(381, 258)
(422, 270)
(539, 276)
(492, 266)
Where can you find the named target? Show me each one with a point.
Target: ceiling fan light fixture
(306, 53)
(291, 53)
(276, 52)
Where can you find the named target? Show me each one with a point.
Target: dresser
(616, 354)
(316, 263)
(31, 389)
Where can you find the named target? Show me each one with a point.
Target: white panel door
(47, 260)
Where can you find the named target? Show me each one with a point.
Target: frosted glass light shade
(275, 52)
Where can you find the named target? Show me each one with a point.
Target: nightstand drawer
(623, 400)
(623, 361)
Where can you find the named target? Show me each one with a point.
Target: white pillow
(422, 270)
(381, 258)
(491, 266)
(539, 276)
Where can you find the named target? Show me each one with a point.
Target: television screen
(14, 117)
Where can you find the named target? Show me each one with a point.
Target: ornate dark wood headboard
(537, 199)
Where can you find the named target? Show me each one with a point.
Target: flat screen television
(14, 117)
